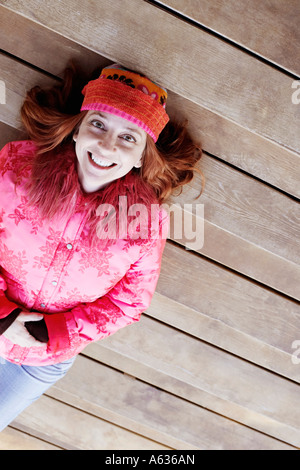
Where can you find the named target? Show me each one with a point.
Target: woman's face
(107, 148)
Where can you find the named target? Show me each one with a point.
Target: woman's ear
(139, 163)
(75, 135)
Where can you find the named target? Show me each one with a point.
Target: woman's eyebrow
(133, 130)
(97, 113)
(137, 131)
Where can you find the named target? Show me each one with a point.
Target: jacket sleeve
(6, 306)
(120, 307)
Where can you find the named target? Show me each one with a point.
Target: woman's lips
(99, 163)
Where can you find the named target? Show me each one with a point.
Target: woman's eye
(97, 124)
(128, 138)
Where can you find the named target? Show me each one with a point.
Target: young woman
(81, 228)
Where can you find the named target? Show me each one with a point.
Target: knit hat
(129, 95)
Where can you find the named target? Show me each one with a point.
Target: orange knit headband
(129, 95)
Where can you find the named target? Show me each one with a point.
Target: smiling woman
(62, 285)
(107, 149)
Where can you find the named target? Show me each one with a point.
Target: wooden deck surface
(215, 361)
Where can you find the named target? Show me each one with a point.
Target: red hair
(171, 163)
(51, 117)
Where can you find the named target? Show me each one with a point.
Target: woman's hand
(18, 334)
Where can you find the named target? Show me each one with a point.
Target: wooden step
(251, 25)
(13, 439)
(70, 428)
(227, 310)
(95, 404)
(204, 375)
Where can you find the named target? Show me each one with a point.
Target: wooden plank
(151, 412)
(248, 151)
(206, 376)
(36, 39)
(12, 439)
(265, 28)
(190, 62)
(135, 406)
(247, 226)
(241, 205)
(72, 429)
(257, 239)
(249, 259)
(18, 79)
(226, 310)
(9, 134)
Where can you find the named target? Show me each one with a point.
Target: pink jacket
(85, 294)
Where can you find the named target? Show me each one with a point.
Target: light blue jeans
(21, 385)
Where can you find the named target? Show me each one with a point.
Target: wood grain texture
(154, 413)
(72, 429)
(227, 310)
(18, 79)
(13, 439)
(244, 226)
(254, 154)
(9, 134)
(40, 46)
(204, 375)
(269, 29)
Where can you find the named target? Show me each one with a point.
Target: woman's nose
(107, 142)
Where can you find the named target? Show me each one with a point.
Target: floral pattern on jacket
(85, 293)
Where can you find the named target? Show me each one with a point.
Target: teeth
(100, 162)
